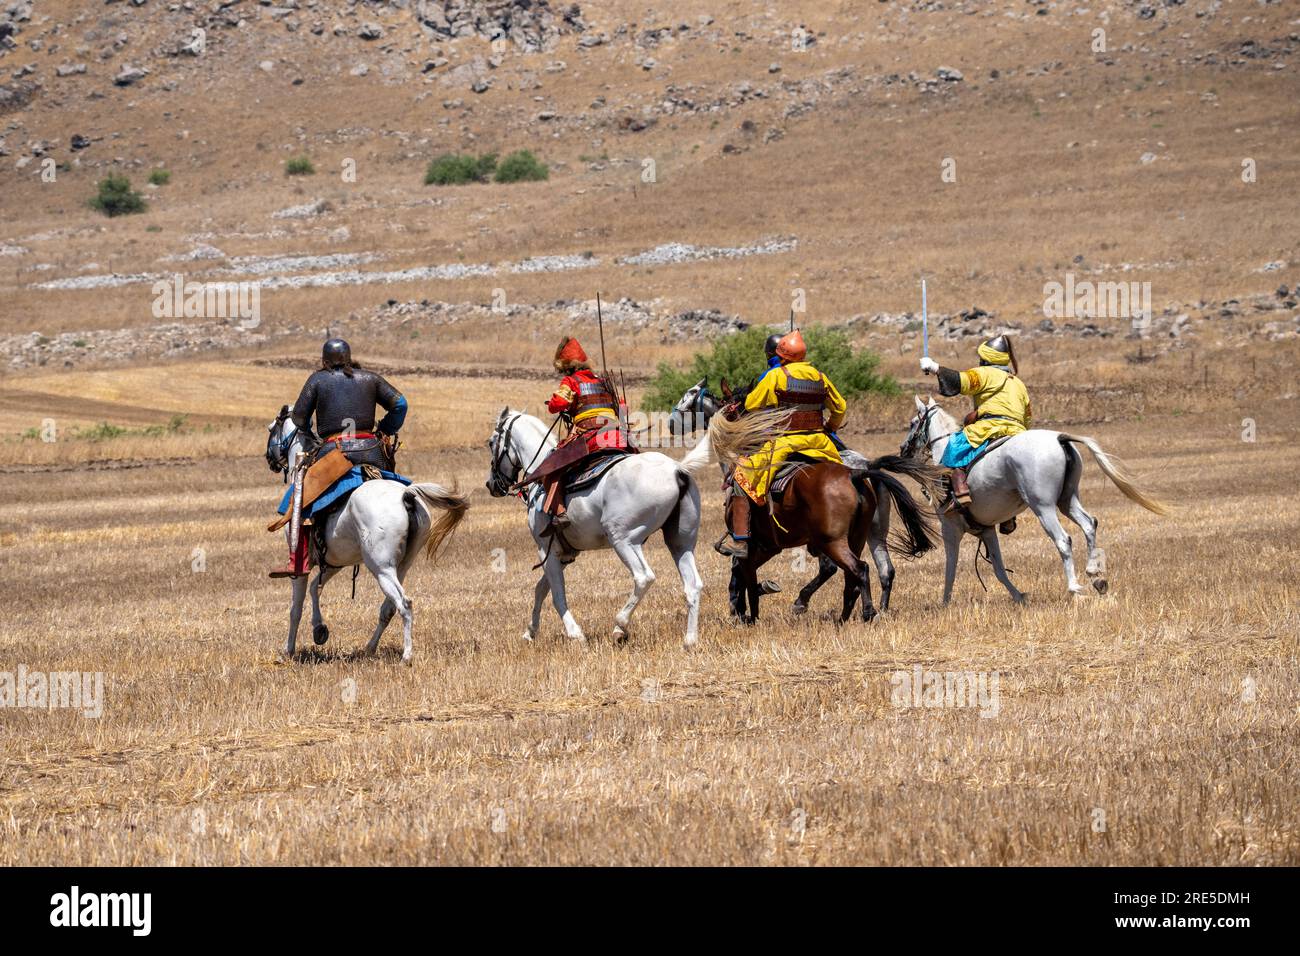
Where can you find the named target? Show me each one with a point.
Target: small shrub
(115, 197)
(299, 166)
(456, 169)
(522, 166)
(739, 359)
(159, 177)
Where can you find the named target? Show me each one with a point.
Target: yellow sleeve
(835, 405)
(972, 381)
(764, 393)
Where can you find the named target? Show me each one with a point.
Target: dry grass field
(1154, 725)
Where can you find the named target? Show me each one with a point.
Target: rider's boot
(299, 559)
(1008, 526)
(960, 491)
(554, 506)
(735, 543)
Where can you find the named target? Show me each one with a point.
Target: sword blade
(925, 323)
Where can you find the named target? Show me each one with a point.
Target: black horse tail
(917, 536)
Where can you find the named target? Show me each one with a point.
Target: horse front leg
(540, 590)
(952, 533)
(319, 632)
(555, 578)
(295, 614)
(990, 539)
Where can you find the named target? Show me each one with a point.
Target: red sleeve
(563, 397)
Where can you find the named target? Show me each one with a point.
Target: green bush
(522, 166)
(456, 169)
(159, 177)
(115, 197)
(299, 166)
(739, 359)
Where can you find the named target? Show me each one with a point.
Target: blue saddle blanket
(958, 453)
(347, 484)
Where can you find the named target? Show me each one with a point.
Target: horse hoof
(1101, 585)
(528, 636)
(619, 636)
(406, 659)
(799, 608)
(320, 634)
(870, 615)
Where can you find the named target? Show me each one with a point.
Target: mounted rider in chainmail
(341, 396)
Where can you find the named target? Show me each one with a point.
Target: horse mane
(944, 419)
(534, 424)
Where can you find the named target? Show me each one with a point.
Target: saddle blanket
(344, 486)
(591, 473)
(959, 454)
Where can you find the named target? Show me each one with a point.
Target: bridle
(499, 482)
(922, 427)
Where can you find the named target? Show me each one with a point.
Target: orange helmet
(791, 347)
(569, 355)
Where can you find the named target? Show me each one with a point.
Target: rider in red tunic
(588, 404)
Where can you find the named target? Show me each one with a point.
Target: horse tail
(746, 435)
(453, 505)
(1115, 469)
(917, 536)
(695, 460)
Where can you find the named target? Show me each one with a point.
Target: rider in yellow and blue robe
(1001, 408)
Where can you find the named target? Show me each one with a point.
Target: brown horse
(826, 507)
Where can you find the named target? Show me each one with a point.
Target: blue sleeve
(394, 419)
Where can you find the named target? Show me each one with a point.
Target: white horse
(384, 524)
(1037, 469)
(639, 495)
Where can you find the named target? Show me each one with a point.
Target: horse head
(279, 439)
(929, 425)
(694, 410)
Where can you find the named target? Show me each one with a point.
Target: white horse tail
(453, 505)
(1114, 469)
(698, 458)
(747, 434)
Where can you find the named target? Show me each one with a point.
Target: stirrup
(730, 547)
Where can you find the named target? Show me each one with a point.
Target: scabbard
(295, 509)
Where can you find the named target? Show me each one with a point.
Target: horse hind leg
(1096, 567)
(642, 577)
(390, 583)
(826, 569)
(1047, 517)
(854, 567)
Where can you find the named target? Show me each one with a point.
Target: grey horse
(1037, 469)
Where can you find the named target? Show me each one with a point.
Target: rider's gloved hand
(929, 366)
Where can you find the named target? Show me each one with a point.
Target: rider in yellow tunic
(1001, 405)
(794, 384)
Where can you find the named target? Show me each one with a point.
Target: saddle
(593, 470)
(786, 473)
